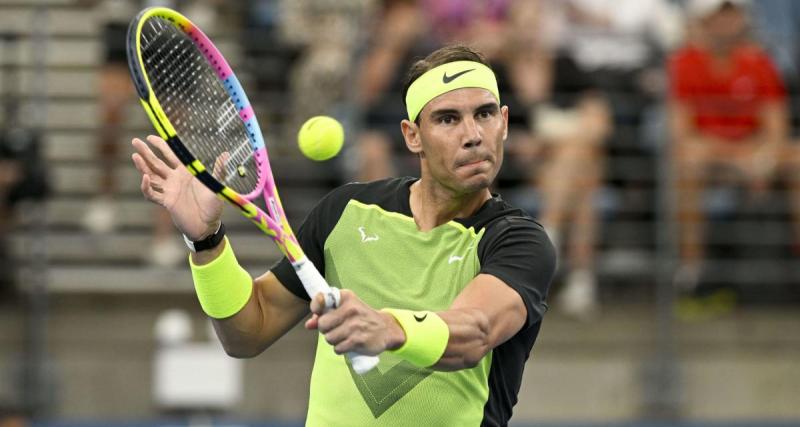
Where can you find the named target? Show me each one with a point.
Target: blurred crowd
(706, 87)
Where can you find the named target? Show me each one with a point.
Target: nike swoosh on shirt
(448, 79)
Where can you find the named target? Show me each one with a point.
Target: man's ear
(504, 113)
(411, 136)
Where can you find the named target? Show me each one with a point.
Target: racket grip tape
(314, 283)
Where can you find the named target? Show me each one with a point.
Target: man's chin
(475, 183)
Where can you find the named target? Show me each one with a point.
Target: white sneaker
(166, 253)
(100, 216)
(578, 299)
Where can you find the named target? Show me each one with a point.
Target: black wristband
(209, 242)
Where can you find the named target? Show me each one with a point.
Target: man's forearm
(241, 334)
(216, 275)
(269, 313)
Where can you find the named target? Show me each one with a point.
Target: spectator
(21, 169)
(115, 94)
(396, 28)
(728, 114)
(620, 45)
(327, 33)
(10, 176)
(601, 65)
(561, 157)
(115, 91)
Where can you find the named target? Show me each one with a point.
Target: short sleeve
(312, 235)
(679, 70)
(517, 251)
(772, 87)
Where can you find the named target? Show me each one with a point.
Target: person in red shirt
(727, 112)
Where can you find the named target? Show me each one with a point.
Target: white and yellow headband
(445, 78)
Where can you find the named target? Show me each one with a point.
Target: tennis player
(441, 278)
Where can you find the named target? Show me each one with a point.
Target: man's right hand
(195, 209)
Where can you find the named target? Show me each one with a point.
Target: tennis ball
(320, 138)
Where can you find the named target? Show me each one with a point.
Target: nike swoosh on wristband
(420, 319)
(448, 79)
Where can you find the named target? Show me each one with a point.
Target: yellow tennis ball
(320, 138)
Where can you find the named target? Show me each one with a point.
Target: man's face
(727, 24)
(460, 139)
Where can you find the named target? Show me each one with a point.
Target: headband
(445, 78)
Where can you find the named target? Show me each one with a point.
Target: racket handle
(314, 283)
(362, 363)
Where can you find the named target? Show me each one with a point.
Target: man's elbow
(241, 353)
(472, 348)
(473, 359)
(468, 359)
(241, 350)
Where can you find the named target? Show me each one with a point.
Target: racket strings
(198, 106)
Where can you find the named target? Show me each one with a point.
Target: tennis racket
(198, 106)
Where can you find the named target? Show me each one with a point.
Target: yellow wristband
(426, 336)
(223, 286)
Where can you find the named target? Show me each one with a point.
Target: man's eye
(447, 120)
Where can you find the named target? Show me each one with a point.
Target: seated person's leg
(581, 153)
(10, 173)
(114, 92)
(690, 162)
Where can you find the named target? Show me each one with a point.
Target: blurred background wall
(677, 295)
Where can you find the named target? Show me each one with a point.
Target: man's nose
(472, 133)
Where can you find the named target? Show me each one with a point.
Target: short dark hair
(443, 55)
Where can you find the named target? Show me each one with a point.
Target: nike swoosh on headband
(448, 79)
